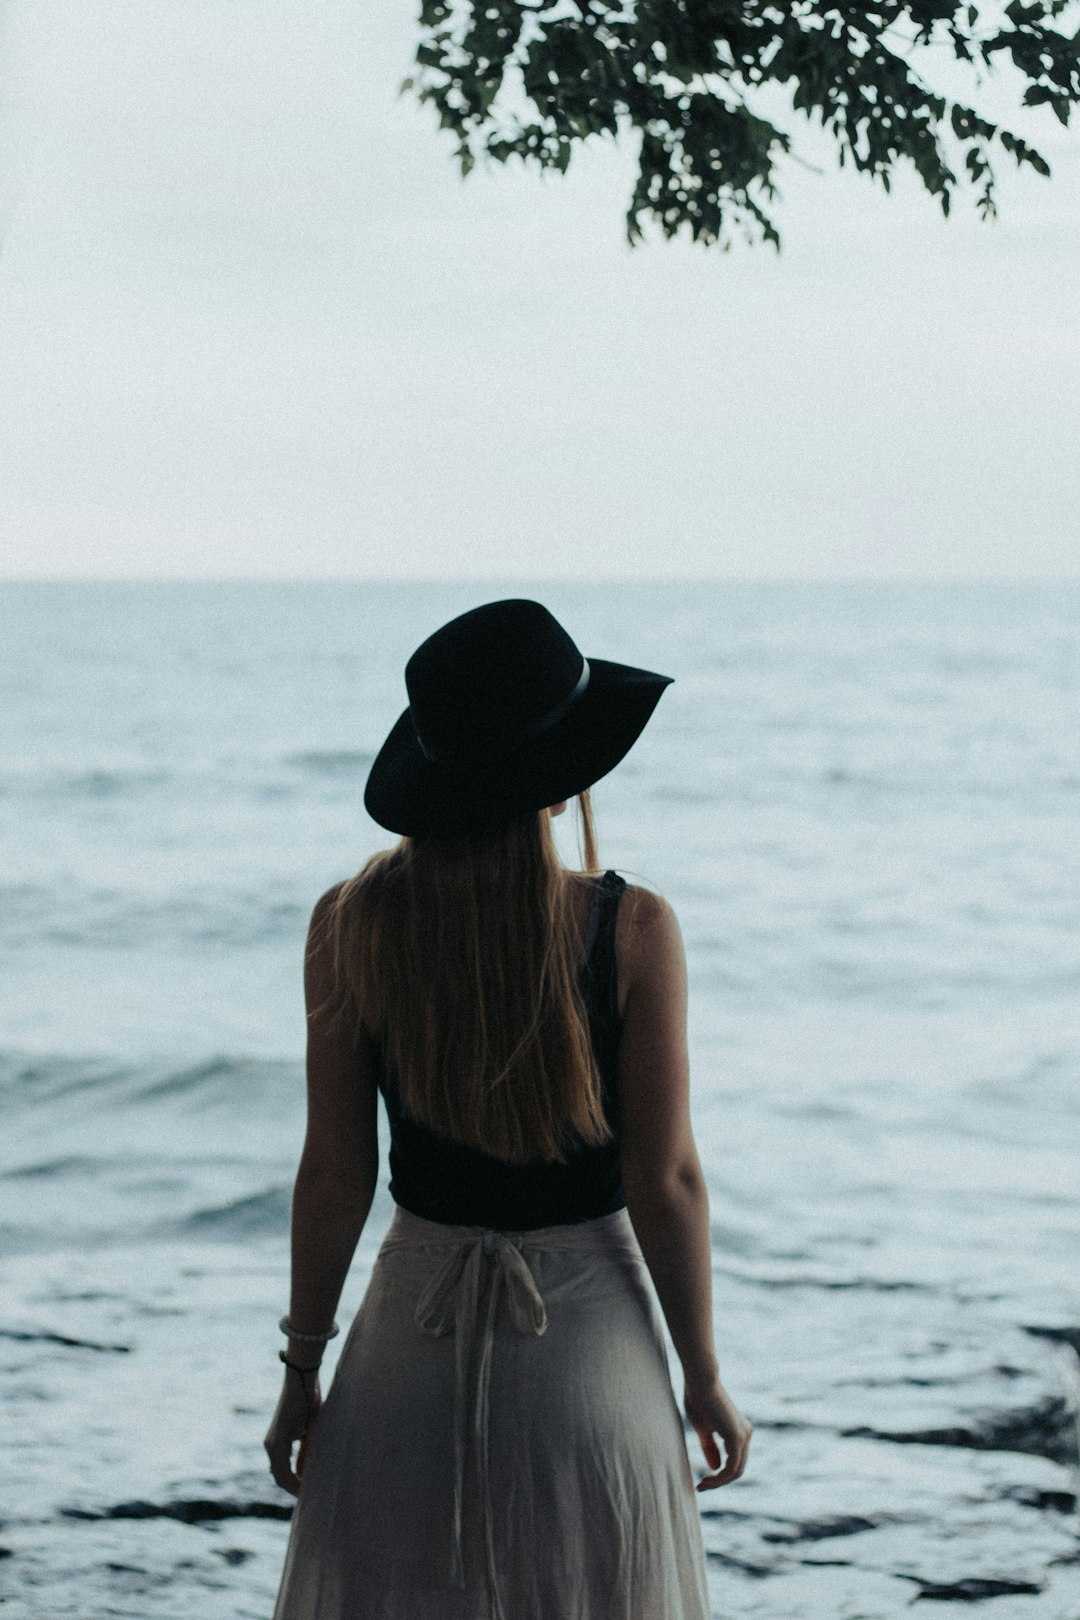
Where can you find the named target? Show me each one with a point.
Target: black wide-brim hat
(505, 716)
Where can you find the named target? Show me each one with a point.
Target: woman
(501, 1440)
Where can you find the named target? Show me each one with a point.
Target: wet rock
(744, 1568)
(782, 1425)
(196, 1511)
(1045, 1430)
(974, 1590)
(925, 1381)
(1045, 1501)
(822, 1529)
(1063, 1335)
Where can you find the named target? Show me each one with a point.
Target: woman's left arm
(334, 1187)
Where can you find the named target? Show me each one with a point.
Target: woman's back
(441, 1179)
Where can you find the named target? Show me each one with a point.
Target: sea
(863, 801)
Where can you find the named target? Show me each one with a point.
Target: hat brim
(408, 793)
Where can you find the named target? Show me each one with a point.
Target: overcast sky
(253, 322)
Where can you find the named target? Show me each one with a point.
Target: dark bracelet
(294, 1366)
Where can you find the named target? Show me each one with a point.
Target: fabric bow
(451, 1303)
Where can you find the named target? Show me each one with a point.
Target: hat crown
(486, 681)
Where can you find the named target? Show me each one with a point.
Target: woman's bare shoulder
(646, 921)
(345, 897)
(647, 941)
(322, 914)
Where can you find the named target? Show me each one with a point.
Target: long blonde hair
(461, 956)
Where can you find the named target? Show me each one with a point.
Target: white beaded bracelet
(307, 1338)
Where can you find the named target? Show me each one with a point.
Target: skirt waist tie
(453, 1303)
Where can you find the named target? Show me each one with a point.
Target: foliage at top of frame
(534, 81)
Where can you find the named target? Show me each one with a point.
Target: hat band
(530, 733)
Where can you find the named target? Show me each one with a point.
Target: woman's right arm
(665, 1189)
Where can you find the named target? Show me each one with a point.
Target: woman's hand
(712, 1413)
(294, 1420)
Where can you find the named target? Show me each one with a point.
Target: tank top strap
(599, 964)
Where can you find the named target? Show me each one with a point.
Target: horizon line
(1060, 578)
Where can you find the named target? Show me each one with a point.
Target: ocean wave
(64, 1340)
(30, 1081)
(115, 918)
(834, 1284)
(70, 1164)
(332, 762)
(812, 787)
(261, 1214)
(216, 1074)
(91, 782)
(222, 783)
(38, 1082)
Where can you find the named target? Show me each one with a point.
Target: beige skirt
(501, 1440)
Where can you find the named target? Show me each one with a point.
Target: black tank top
(443, 1180)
